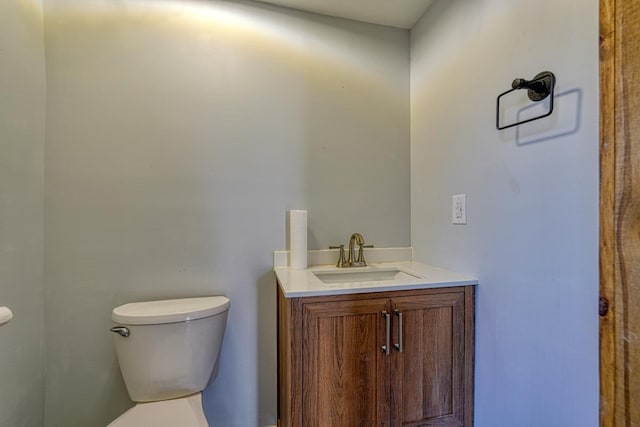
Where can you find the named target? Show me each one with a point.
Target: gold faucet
(342, 261)
(360, 262)
(356, 238)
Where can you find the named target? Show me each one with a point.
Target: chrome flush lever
(121, 330)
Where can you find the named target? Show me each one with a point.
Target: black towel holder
(538, 88)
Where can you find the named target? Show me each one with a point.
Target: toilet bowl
(185, 411)
(168, 353)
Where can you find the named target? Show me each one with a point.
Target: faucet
(342, 261)
(360, 262)
(356, 238)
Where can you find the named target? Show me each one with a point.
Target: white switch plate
(459, 209)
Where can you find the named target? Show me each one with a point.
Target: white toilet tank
(169, 349)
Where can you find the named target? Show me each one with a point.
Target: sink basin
(355, 276)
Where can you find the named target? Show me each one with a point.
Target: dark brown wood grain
(469, 352)
(289, 361)
(342, 362)
(331, 362)
(428, 376)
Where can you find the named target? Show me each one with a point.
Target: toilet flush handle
(121, 330)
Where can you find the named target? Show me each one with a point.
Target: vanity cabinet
(400, 358)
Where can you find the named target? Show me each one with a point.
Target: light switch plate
(459, 209)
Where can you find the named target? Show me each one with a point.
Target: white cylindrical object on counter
(298, 239)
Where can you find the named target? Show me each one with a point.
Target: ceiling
(393, 13)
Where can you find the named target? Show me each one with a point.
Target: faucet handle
(342, 261)
(361, 259)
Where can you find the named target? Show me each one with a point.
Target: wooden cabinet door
(345, 374)
(428, 374)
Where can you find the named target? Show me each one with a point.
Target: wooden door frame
(619, 209)
(607, 211)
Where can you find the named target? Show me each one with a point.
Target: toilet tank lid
(169, 311)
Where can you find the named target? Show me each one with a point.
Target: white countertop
(304, 283)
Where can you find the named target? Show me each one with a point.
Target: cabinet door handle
(386, 348)
(398, 345)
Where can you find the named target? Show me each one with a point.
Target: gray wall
(178, 134)
(22, 95)
(532, 197)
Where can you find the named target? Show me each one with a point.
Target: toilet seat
(183, 412)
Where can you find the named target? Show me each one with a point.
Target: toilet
(168, 353)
